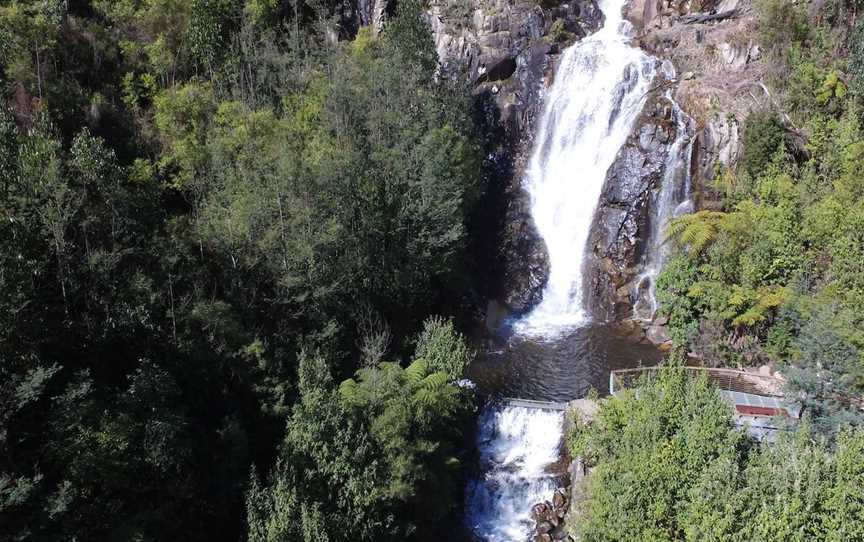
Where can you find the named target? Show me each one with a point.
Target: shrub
(763, 135)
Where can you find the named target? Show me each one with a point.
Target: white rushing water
(517, 447)
(599, 90)
(672, 200)
(600, 87)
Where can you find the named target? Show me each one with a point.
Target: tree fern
(416, 372)
(431, 388)
(352, 393)
(696, 231)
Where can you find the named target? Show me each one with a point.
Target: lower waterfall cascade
(600, 88)
(517, 445)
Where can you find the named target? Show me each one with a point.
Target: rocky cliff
(718, 83)
(508, 49)
(711, 44)
(622, 222)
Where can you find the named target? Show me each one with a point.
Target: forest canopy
(212, 211)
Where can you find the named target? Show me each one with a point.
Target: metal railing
(725, 379)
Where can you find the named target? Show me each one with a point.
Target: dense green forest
(213, 211)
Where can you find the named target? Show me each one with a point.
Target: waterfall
(672, 200)
(517, 446)
(599, 90)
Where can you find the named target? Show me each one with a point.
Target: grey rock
(559, 534)
(622, 218)
(657, 334)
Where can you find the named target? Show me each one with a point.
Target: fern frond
(350, 391)
(434, 381)
(416, 372)
(696, 231)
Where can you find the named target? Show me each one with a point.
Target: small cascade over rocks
(671, 200)
(519, 448)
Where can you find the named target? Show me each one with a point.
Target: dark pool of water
(559, 368)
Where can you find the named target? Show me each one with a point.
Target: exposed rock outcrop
(549, 517)
(503, 46)
(508, 50)
(373, 12)
(621, 223)
(713, 45)
(720, 70)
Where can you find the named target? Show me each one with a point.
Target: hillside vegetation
(774, 273)
(211, 212)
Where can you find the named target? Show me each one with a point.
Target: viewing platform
(757, 399)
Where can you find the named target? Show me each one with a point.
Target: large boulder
(622, 220)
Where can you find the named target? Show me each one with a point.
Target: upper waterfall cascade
(600, 88)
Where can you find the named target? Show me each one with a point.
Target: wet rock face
(718, 83)
(549, 517)
(525, 259)
(504, 49)
(712, 45)
(623, 213)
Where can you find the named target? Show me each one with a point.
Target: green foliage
(697, 231)
(194, 195)
(673, 288)
(669, 465)
(558, 32)
(826, 372)
(763, 135)
(776, 270)
(649, 450)
(856, 61)
(782, 23)
(773, 274)
(442, 349)
(377, 454)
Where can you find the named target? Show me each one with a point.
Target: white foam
(517, 446)
(600, 88)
